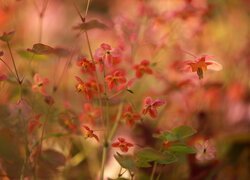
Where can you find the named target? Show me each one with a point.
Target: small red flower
(90, 133)
(68, 123)
(130, 116)
(34, 122)
(88, 89)
(201, 64)
(150, 106)
(39, 84)
(108, 55)
(49, 100)
(142, 68)
(122, 144)
(90, 114)
(86, 65)
(116, 78)
(3, 77)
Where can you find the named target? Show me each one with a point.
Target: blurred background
(165, 32)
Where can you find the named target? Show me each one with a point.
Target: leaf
(126, 161)
(142, 164)
(93, 24)
(40, 48)
(7, 36)
(28, 55)
(1, 53)
(178, 133)
(182, 148)
(182, 132)
(149, 155)
(53, 158)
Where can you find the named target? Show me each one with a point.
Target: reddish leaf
(53, 158)
(41, 49)
(90, 25)
(7, 36)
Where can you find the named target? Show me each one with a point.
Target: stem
(78, 12)
(26, 151)
(9, 68)
(13, 61)
(153, 171)
(104, 157)
(158, 177)
(87, 8)
(40, 28)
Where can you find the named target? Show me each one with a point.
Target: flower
(201, 64)
(39, 84)
(122, 144)
(90, 114)
(130, 116)
(49, 100)
(90, 133)
(86, 65)
(34, 122)
(205, 151)
(107, 55)
(116, 78)
(150, 106)
(142, 68)
(3, 77)
(67, 122)
(89, 88)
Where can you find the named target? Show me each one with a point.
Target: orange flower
(90, 114)
(201, 64)
(90, 133)
(122, 144)
(130, 116)
(39, 84)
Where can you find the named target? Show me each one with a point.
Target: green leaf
(182, 148)
(183, 132)
(53, 158)
(142, 164)
(7, 36)
(165, 136)
(28, 55)
(126, 161)
(93, 24)
(40, 48)
(149, 155)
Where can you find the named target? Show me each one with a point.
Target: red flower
(130, 116)
(86, 65)
(3, 77)
(34, 122)
(150, 106)
(107, 55)
(39, 84)
(201, 64)
(90, 114)
(68, 123)
(116, 78)
(142, 68)
(122, 144)
(90, 133)
(88, 89)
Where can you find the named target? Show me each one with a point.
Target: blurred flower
(86, 65)
(122, 144)
(3, 77)
(107, 55)
(130, 116)
(49, 100)
(39, 84)
(90, 133)
(34, 122)
(205, 151)
(142, 68)
(90, 114)
(68, 123)
(150, 106)
(201, 64)
(116, 78)
(20, 109)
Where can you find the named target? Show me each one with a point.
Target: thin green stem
(13, 61)
(104, 156)
(87, 8)
(26, 151)
(153, 171)
(159, 175)
(78, 12)
(9, 68)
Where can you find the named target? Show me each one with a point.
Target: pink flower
(107, 55)
(39, 84)
(122, 144)
(116, 78)
(205, 151)
(86, 65)
(90, 114)
(130, 116)
(150, 106)
(142, 68)
(34, 122)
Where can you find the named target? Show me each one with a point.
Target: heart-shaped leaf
(126, 161)
(93, 24)
(40, 48)
(182, 148)
(36, 57)
(7, 36)
(53, 158)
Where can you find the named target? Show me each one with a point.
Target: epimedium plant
(105, 87)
